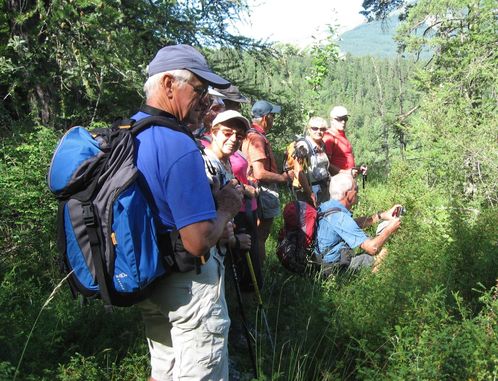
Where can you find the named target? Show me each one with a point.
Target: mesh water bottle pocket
(80, 263)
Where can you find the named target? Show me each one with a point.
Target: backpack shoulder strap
(155, 120)
(253, 130)
(328, 212)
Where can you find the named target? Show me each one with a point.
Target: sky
(296, 22)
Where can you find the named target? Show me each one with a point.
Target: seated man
(338, 233)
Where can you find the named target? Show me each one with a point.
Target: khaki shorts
(268, 201)
(186, 324)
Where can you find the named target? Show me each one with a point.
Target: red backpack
(296, 239)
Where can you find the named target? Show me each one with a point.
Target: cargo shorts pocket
(209, 346)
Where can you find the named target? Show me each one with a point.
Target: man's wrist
(224, 215)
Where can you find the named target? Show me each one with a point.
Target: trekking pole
(258, 295)
(242, 313)
(363, 170)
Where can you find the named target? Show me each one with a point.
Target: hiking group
(209, 181)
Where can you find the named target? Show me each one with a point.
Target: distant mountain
(374, 38)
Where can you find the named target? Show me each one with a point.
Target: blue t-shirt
(172, 167)
(337, 231)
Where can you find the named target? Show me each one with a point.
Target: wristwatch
(379, 216)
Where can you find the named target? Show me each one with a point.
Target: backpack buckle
(89, 215)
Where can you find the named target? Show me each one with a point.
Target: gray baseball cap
(233, 94)
(262, 108)
(176, 57)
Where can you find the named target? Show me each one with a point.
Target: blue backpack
(106, 233)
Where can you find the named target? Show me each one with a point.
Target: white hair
(340, 184)
(316, 121)
(153, 83)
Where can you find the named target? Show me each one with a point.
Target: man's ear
(264, 120)
(349, 197)
(167, 84)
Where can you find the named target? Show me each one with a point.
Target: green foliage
(433, 342)
(103, 367)
(322, 53)
(79, 61)
(375, 9)
(420, 316)
(457, 121)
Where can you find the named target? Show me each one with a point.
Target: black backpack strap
(91, 224)
(328, 212)
(157, 120)
(176, 261)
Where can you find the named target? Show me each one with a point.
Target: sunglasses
(227, 132)
(322, 129)
(201, 91)
(342, 119)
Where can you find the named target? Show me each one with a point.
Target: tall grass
(47, 302)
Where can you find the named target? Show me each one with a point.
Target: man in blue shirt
(186, 317)
(338, 233)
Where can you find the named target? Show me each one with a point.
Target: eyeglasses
(322, 129)
(229, 132)
(201, 91)
(342, 118)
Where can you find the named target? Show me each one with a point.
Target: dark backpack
(106, 234)
(296, 239)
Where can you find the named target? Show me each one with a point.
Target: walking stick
(363, 171)
(258, 295)
(242, 313)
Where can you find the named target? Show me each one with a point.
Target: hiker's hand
(354, 172)
(229, 198)
(394, 225)
(363, 170)
(250, 191)
(288, 176)
(244, 241)
(390, 214)
(313, 199)
(291, 175)
(228, 235)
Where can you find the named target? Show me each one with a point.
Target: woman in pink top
(245, 221)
